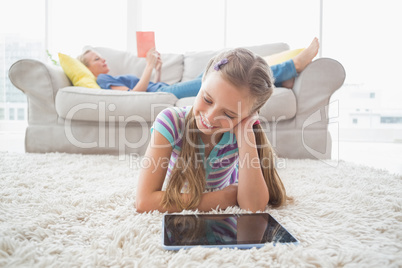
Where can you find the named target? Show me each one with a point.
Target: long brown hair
(188, 168)
(243, 69)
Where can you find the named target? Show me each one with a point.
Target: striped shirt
(221, 166)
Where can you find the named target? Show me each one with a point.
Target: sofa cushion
(86, 104)
(124, 62)
(283, 56)
(77, 72)
(280, 106)
(268, 49)
(195, 62)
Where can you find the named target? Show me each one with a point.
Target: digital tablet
(222, 231)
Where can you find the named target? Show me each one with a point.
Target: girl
(214, 153)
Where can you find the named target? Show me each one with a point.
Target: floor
(386, 156)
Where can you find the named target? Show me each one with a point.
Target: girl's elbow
(254, 206)
(142, 205)
(260, 208)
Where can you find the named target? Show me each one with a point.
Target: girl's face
(219, 105)
(96, 64)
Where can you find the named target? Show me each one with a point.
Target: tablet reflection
(223, 229)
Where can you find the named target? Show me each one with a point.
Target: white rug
(67, 210)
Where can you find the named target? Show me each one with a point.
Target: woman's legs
(184, 89)
(306, 56)
(283, 72)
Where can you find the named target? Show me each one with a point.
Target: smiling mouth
(204, 122)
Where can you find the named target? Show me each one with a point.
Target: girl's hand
(245, 125)
(230, 193)
(227, 197)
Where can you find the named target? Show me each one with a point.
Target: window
(210, 25)
(18, 40)
(20, 114)
(183, 25)
(75, 24)
(257, 22)
(391, 120)
(71, 25)
(11, 113)
(354, 32)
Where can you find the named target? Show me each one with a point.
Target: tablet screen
(223, 229)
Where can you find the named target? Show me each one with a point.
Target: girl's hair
(83, 59)
(243, 69)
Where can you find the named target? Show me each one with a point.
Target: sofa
(72, 119)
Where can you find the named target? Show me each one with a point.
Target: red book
(145, 41)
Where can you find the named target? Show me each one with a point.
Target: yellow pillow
(77, 72)
(282, 56)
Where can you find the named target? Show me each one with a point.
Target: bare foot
(306, 56)
(288, 83)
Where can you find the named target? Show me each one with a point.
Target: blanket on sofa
(79, 210)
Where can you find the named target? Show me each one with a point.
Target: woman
(283, 73)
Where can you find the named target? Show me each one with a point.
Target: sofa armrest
(40, 82)
(313, 89)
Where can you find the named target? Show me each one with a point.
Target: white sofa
(63, 118)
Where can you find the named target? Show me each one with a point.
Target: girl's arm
(252, 191)
(152, 176)
(224, 198)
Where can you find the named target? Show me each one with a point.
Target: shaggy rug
(65, 210)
